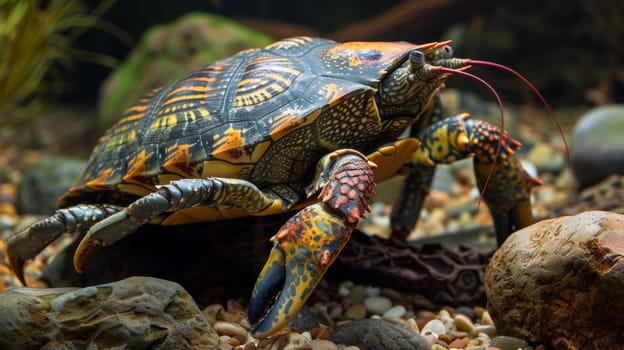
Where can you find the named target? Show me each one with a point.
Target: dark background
(563, 47)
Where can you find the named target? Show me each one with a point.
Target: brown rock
(560, 282)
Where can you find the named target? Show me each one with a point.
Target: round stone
(377, 305)
(356, 312)
(434, 326)
(395, 312)
(230, 329)
(577, 261)
(508, 343)
(464, 324)
(596, 147)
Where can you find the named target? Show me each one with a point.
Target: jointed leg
(177, 195)
(28, 243)
(443, 142)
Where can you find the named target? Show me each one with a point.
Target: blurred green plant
(36, 43)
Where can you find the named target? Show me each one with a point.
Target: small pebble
(319, 333)
(291, 341)
(377, 305)
(486, 329)
(445, 338)
(392, 294)
(466, 311)
(321, 344)
(233, 341)
(486, 319)
(396, 311)
(508, 343)
(344, 289)
(373, 291)
(412, 325)
(458, 344)
(433, 326)
(230, 329)
(431, 338)
(249, 346)
(356, 312)
(463, 323)
(478, 312)
(213, 313)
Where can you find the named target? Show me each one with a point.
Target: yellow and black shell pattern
(266, 116)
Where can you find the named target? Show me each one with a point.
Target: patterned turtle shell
(266, 116)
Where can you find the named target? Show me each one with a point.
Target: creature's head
(410, 87)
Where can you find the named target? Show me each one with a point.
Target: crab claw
(303, 250)
(310, 241)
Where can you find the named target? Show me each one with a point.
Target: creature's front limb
(508, 190)
(310, 241)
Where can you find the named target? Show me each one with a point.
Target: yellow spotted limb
(304, 248)
(448, 140)
(310, 241)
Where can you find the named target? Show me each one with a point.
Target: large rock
(136, 313)
(596, 147)
(560, 282)
(377, 334)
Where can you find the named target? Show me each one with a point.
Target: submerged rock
(377, 334)
(137, 313)
(596, 147)
(560, 282)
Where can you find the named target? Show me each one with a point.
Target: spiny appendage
(177, 195)
(26, 244)
(459, 137)
(351, 186)
(309, 242)
(507, 186)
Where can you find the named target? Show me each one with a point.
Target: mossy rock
(166, 52)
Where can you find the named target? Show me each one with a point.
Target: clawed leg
(28, 243)
(508, 190)
(310, 241)
(177, 195)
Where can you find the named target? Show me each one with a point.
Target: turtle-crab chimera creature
(306, 125)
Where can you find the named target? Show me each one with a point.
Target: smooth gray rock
(560, 282)
(135, 313)
(377, 334)
(597, 146)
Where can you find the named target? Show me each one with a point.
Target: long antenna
(502, 126)
(535, 91)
